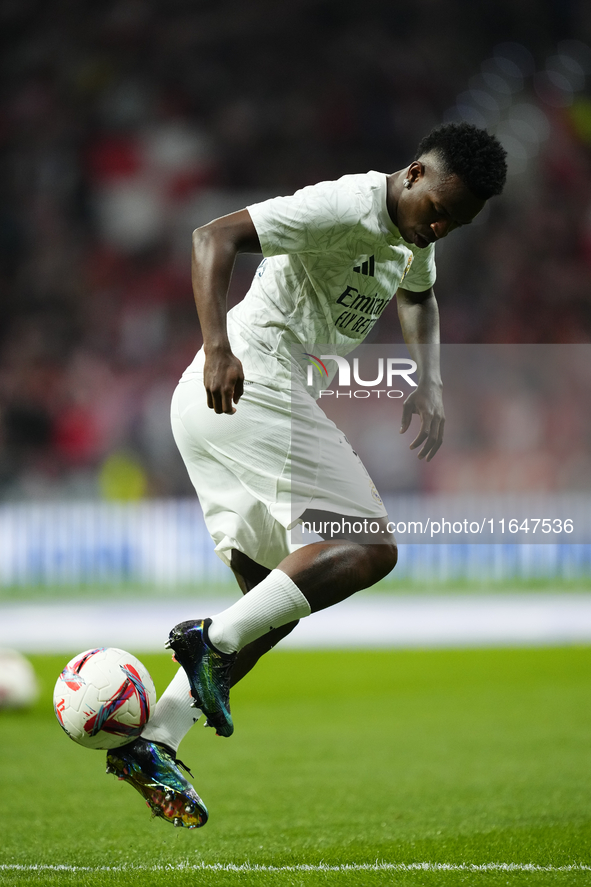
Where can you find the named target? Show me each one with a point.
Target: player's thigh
(327, 474)
(350, 527)
(234, 490)
(253, 443)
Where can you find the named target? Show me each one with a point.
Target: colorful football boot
(208, 671)
(153, 771)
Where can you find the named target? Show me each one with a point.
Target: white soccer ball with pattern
(103, 698)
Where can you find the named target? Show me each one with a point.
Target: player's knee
(383, 558)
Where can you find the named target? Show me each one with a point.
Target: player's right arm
(214, 251)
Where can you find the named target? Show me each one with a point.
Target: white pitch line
(321, 867)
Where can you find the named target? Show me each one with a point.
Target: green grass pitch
(468, 757)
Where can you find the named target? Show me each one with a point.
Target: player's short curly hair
(472, 154)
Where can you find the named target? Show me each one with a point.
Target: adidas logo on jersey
(367, 268)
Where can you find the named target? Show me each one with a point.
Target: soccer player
(231, 416)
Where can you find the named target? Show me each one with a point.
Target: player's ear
(416, 171)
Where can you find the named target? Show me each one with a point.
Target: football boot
(208, 671)
(153, 770)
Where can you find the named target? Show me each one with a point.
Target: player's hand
(427, 402)
(223, 378)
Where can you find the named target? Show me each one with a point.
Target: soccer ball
(103, 698)
(18, 684)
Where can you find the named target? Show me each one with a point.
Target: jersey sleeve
(318, 218)
(422, 273)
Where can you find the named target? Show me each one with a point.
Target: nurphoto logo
(388, 371)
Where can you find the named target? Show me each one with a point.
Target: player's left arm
(419, 319)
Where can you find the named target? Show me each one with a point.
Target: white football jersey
(333, 259)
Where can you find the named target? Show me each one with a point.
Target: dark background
(123, 125)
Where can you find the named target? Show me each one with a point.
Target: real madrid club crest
(374, 493)
(407, 269)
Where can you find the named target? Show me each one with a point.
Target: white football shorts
(257, 471)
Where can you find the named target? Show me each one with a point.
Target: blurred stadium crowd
(125, 124)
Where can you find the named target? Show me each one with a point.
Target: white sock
(273, 602)
(174, 715)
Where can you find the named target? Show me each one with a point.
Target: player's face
(434, 204)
